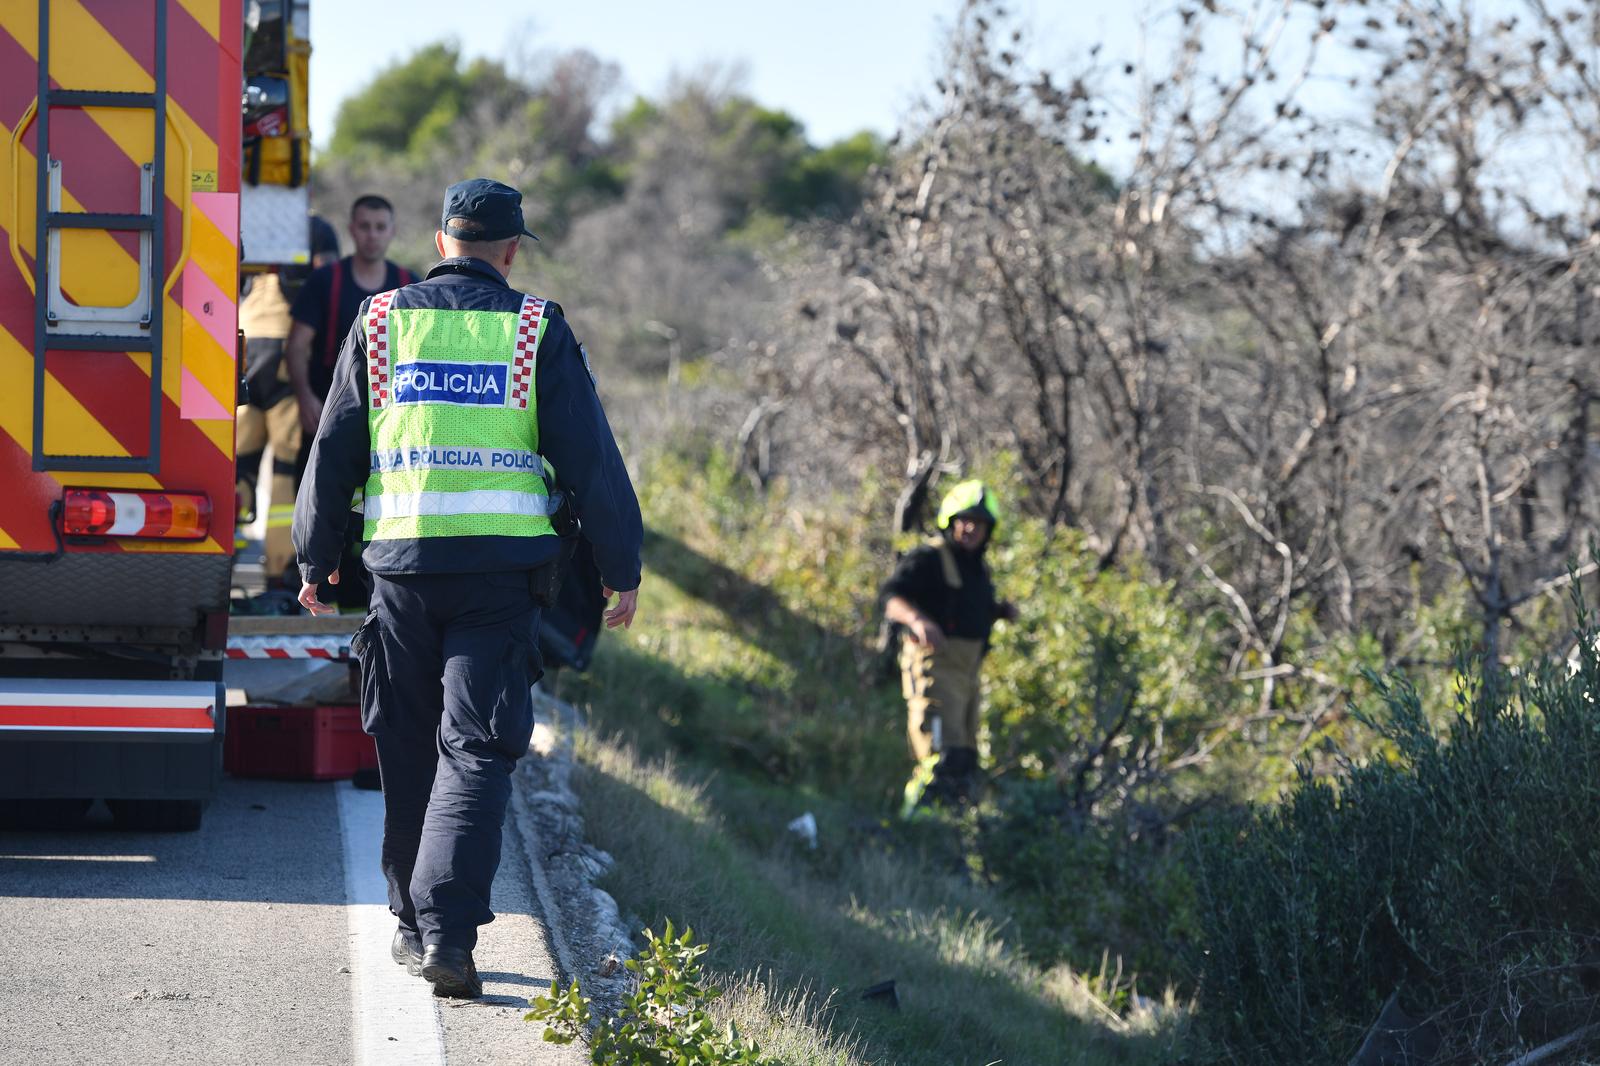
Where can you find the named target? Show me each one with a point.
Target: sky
(840, 66)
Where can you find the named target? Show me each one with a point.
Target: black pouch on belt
(544, 580)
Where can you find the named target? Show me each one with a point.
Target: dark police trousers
(447, 661)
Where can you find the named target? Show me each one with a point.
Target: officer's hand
(927, 631)
(622, 613)
(308, 596)
(310, 415)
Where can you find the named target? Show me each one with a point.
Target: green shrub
(664, 1022)
(1456, 866)
(1103, 681)
(1078, 888)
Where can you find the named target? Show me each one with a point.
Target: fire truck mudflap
(159, 740)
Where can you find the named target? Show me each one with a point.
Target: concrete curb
(587, 934)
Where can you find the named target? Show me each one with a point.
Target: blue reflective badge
(458, 383)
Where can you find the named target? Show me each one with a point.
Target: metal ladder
(64, 326)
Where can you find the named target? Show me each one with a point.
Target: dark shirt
(967, 613)
(311, 307)
(573, 434)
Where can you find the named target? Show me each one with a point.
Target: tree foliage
(411, 107)
(1315, 368)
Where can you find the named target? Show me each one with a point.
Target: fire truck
(136, 187)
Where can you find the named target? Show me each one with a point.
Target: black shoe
(402, 953)
(451, 973)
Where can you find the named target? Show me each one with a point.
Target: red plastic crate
(317, 743)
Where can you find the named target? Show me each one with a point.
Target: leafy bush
(1456, 867)
(1104, 681)
(1077, 888)
(663, 1023)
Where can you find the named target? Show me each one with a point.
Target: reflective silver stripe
(412, 504)
(441, 458)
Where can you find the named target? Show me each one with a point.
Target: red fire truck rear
(119, 371)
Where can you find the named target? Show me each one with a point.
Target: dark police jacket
(573, 434)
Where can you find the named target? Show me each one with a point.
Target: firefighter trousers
(447, 662)
(255, 428)
(942, 695)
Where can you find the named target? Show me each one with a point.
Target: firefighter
(323, 311)
(328, 302)
(269, 414)
(435, 408)
(943, 599)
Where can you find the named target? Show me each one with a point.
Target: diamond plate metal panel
(116, 588)
(275, 224)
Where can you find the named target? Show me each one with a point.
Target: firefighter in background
(436, 410)
(322, 313)
(943, 599)
(269, 413)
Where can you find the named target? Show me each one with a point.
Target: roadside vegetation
(752, 698)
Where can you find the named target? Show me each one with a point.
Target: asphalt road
(262, 938)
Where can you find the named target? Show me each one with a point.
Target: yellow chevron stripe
(68, 416)
(203, 148)
(212, 367)
(103, 286)
(211, 364)
(6, 541)
(213, 253)
(84, 434)
(209, 546)
(16, 421)
(95, 60)
(208, 13)
(88, 287)
(84, 54)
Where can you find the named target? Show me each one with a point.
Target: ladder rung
(98, 220)
(98, 98)
(95, 342)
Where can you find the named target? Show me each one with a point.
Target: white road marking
(396, 1018)
(78, 858)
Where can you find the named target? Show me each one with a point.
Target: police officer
(448, 397)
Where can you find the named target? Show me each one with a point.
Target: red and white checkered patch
(378, 348)
(527, 351)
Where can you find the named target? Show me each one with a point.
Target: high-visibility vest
(454, 422)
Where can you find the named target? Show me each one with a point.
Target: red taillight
(102, 513)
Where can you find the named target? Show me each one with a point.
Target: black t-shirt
(311, 307)
(967, 613)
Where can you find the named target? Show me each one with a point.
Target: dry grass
(797, 937)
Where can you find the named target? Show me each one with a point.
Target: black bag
(569, 630)
(265, 382)
(544, 581)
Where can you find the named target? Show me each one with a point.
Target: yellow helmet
(968, 496)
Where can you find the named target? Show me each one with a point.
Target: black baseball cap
(497, 208)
